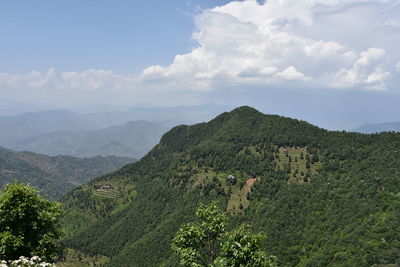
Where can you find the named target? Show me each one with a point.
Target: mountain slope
(54, 176)
(379, 127)
(133, 139)
(323, 198)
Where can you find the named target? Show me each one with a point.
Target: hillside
(379, 127)
(133, 139)
(54, 176)
(322, 198)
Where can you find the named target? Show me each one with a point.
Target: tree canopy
(207, 242)
(28, 223)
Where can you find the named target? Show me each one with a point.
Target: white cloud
(365, 72)
(32, 79)
(398, 66)
(292, 74)
(244, 41)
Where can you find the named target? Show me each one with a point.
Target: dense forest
(321, 198)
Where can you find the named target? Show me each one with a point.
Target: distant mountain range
(167, 115)
(133, 139)
(54, 176)
(10, 107)
(379, 127)
(129, 133)
(27, 125)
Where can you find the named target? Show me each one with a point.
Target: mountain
(54, 176)
(133, 139)
(322, 198)
(27, 125)
(9, 107)
(168, 115)
(379, 127)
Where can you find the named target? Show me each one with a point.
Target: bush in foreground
(35, 261)
(28, 223)
(208, 243)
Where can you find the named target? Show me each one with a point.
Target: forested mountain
(322, 198)
(54, 176)
(379, 127)
(133, 139)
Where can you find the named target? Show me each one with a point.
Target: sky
(335, 63)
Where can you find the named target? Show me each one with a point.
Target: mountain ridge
(379, 127)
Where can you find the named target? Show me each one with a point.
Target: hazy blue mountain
(54, 176)
(379, 127)
(27, 125)
(10, 107)
(170, 115)
(133, 139)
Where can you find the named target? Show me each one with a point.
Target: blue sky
(335, 63)
(125, 36)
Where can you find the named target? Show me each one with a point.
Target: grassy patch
(239, 200)
(237, 192)
(296, 158)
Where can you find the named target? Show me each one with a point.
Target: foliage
(207, 242)
(242, 248)
(197, 243)
(28, 223)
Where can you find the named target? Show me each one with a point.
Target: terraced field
(106, 192)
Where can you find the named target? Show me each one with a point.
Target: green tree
(208, 243)
(242, 248)
(315, 158)
(28, 223)
(197, 243)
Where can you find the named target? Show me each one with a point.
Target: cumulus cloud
(365, 71)
(266, 44)
(292, 74)
(32, 79)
